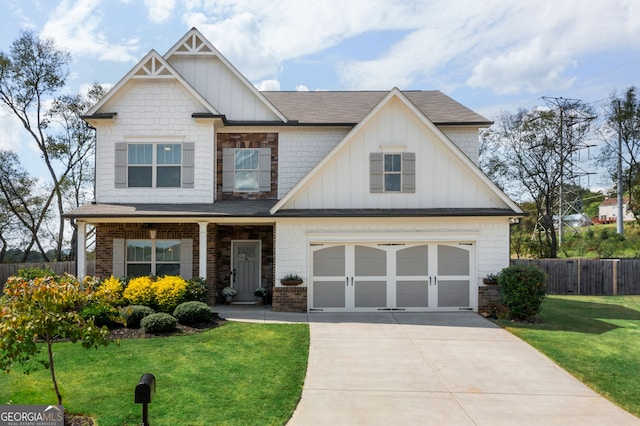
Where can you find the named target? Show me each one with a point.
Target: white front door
(245, 269)
(375, 277)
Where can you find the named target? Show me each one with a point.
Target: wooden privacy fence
(591, 277)
(9, 269)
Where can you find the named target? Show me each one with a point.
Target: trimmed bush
(133, 314)
(139, 291)
(523, 290)
(192, 312)
(158, 323)
(169, 291)
(196, 290)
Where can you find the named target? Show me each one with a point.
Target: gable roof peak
(195, 44)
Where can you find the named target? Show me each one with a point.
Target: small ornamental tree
(523, 290)
(39, 312)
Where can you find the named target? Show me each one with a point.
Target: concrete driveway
(432, 369)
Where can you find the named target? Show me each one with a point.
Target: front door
(245, 269)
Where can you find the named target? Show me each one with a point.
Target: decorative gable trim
(152, 66)
(194, 43)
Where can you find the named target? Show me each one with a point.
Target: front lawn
(236, 374)
(595, 338)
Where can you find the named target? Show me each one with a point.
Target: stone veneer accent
(488, 296)
(247, 140)
(289, 299)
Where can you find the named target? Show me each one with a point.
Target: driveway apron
(437, 369)
(431, 369)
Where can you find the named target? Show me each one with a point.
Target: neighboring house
(608, 210)
(374, 198)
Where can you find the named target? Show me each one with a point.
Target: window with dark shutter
(393, 172)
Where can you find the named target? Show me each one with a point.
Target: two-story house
(373, 197)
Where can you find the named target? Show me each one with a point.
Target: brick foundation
(488, 296)
(289, 299)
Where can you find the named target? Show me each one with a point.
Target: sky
(493, 56)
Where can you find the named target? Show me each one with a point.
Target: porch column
(81, 255)
(202, 260)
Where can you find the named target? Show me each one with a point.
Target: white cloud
(301, 88)
(160, 10)
(77, 27)
(11, 131)
(269, 85)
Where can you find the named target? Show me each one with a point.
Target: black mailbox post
(144, 391)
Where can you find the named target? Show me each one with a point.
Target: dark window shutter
(264, 167)
(121, 165)
(186, 258)
(118, 258)
(188, 160)
(409, 172)
(376, 167)
(228, 161)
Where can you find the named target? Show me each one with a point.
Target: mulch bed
(138, 333)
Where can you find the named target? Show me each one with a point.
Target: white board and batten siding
(156, 112)
(443, 180)
(222, 88)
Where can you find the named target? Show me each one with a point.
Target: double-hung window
(392, 172)
(246, 169)
(152, 257)
(153, 165)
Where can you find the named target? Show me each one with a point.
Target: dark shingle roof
(323, 107)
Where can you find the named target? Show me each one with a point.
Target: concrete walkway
(431, 369)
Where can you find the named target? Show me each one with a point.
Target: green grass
(595, 338)
(237, 374)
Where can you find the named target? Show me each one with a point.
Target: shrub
(523, 290)
(196, 290)
(31, 273)
(139, 291)
(169, 292)
(112, 289)
(102, 314)
(133, 314)
(192, 312)
(158, 323)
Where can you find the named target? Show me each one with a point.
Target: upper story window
(246, 169)
(393, 172)
(154, 165)
(149, 167)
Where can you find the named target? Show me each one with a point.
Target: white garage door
(375, 277)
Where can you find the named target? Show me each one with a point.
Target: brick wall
(289, 299)
(247, 140)
(106, 232)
